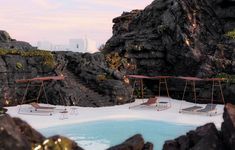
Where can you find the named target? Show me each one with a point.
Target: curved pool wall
(100, 135)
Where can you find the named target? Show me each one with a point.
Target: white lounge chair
(209, 109)
(191, 109)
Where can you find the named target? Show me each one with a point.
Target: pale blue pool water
(99, 135)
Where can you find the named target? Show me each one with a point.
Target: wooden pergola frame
(40, 81)
(162, 81)
(216, 82)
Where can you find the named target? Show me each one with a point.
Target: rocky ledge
(17, 134)
(207, 137)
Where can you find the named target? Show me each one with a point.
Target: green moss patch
(228, 77)
(231, 34)
(46, 55)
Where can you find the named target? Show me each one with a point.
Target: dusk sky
(59, 20)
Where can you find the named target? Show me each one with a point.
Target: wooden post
(45, 94)
(159, 88)
(166, 87)
(25, 93)
(39, 93)
(221, 92)
(194, 91)
(212, 94)
(142, 88)
(184, 89)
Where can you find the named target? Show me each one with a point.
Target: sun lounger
(192, 109)
(36, 106)
(37, 113)
(150, 102)
(210, 108)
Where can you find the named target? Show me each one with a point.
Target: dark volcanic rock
(7, 42)
(228, 127)
(204, 137)
(135, 142)
(4, 36)
(225, 10)
(10, 134)
(207, 137)
(178, 38)
(30, 134)
(14, 67)
(16, 134)
(173, 37)
(82, 85)
(2, 110)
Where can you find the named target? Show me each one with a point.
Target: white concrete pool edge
(121, 112)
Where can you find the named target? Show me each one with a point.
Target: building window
(77, 46)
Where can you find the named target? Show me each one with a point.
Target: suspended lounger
(209, 109)
(191, 109)
(40, 81)
(36, 106)
(150, 102)
(40, 110)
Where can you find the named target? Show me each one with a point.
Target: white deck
(120, 112)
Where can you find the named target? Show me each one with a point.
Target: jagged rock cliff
(88, 79)
(176, 37)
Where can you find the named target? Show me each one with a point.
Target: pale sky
(59, 20)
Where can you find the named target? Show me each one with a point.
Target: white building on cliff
(76, 45)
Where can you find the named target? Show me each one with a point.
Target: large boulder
(135, 142)
(10, 134)
(30, 134)
(4, 36)
(228, 127)
(6, 42)
(16, 134)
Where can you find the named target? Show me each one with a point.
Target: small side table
(74, 111)
(63, 115)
